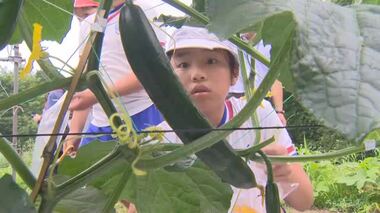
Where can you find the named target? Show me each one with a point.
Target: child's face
(83, 12)
(205, 75)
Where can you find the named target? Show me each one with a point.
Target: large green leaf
(333, 55)
(9, 10)
(86, 157)
(85, 199)
(53, 15)
(13, 198)
(197, 189)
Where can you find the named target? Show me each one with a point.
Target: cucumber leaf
(332, 58)
(85, 199)
(54, 16)
(13, 198)
(197, 189)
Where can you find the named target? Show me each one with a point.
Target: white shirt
(251, 198)
(114, 64)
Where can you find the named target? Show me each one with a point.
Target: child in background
(84, 8)
(116, 71)
(207, 67)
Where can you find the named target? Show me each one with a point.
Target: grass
(5, 168)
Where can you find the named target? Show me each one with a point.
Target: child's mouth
(199, 90)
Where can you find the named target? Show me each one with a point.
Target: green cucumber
(9, 10)
(272, 196)
(272, 199)
(153, 69)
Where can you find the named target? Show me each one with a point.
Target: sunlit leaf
(197, 189)
(54, 15)
(332, 57)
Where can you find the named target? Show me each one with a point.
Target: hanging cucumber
(272, 197)
(153, 69)
(9, 10)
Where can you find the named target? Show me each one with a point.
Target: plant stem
(317, 157)
(72, 69)
(255, 148)
(33, 92)
(118, 190)
(253, 52)
(188, 10)
(47, 206)
(248, 94)
(205, 20)
(268, 165)
(17, 163)
(160, 147)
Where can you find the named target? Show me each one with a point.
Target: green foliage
(55, 22)
(197, 189)
(319, 138)
(5, 168)
(26, 125)
(331, 60)
(200, 191)
(85, 199)
(334, 73)
(13, 198)
(9, 10)
(346, 185)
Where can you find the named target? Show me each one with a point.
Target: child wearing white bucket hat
(207, 67)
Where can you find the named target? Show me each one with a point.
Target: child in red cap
(84, 8)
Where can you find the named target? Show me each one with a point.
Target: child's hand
(82, 100)
(281, 171)
(71, 145)
(37, 118)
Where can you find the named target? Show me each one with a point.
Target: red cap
(85, 3)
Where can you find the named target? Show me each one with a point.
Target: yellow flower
(36, 53)
(243, 209)
(269, 94)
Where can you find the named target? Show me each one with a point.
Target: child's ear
(234, 76)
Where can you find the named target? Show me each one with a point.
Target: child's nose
(198, 75)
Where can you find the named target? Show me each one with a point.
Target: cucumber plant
(9, 11)
(105, 167)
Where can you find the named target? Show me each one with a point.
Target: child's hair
(196, 37)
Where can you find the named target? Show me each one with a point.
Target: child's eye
(183, 65)
(212, 61)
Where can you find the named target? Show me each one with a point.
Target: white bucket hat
(196, 37)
